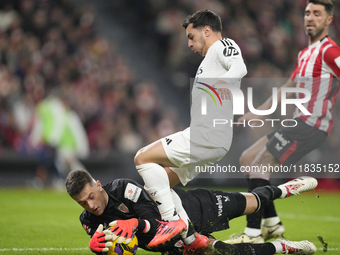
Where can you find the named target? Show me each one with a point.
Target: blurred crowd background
(69, 92)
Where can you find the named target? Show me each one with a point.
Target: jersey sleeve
(90, 227)
(236, 70)
(230, 56)
(136, 197)
(332, 59)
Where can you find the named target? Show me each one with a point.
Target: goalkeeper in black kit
(125, 205)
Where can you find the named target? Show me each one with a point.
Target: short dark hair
(76, 181)
(327, 3)
(204, 18)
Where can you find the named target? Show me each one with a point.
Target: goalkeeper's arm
(125, 229)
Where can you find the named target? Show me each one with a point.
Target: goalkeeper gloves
(124, 229)
(98, 241)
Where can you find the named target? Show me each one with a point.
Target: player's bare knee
(251, 203)
(139, 157)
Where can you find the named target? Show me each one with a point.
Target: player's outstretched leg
(293, 187)
(297, 186)
(264, 194)
(267, 193)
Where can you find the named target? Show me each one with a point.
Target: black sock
(254, 220)
(266, 194)
(257, 182)
(244, 248)
(269, 211)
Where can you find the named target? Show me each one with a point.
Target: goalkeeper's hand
(99, 240)
(124, 229)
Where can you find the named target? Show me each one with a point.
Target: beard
(200, 52)
(316, 32)
(202, 47)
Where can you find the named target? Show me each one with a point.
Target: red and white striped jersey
(318, 70)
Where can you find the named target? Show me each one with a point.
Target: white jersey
(223, 61)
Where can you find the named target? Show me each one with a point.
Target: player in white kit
(317, 70)
(171, 160)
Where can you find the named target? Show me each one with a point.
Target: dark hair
(76, 181)
(327, 3)
(204, 18)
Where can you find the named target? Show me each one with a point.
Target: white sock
(189, 239)
(157, 185)
(184, 216)
(278, 246)
(252, 231)
(272, 221)
(284, 191)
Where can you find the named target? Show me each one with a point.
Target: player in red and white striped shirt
(319, 61)
(318, 71)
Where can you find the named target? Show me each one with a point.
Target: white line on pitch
(44, 249)
(82, 249)
(310, 217)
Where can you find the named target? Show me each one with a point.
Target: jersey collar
(317, 42)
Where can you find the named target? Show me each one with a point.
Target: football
(122, 248)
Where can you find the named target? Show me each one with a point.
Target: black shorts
(289, 144)
(208, 210)
(211, 210)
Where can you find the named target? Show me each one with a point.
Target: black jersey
(127, 199)
(208, 210)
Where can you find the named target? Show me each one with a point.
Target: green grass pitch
(46, 222)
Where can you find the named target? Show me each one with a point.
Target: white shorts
(177, 148)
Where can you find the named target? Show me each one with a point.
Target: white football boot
(291, 247)
(244, 238)
(297, 186)
(269, 232)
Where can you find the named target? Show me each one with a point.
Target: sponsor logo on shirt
(313, 58)
(132, 192)
(230, 51)
(219, 204)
